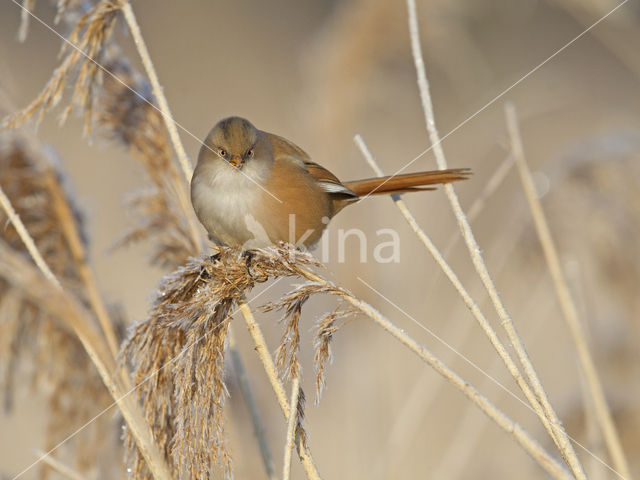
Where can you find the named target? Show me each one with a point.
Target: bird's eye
(222, 152)
(250, 153)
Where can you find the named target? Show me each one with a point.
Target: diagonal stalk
(163, 105)
(276, 384)
(97, 350)
(528, 443)
(568, 306)
(565, 446)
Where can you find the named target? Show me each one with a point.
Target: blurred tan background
(320, 72)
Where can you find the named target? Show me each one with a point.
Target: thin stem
(158, 94)
(471, 304)
(25, 18)
(70, 230)
(528, 443)
(243, 382)
(291, 428)
(276, 384)
(163, 105)
(490, 187)
(561, 436)
(568, 306)
(65, 470)
(27, 240)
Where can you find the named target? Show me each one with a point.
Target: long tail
(409, 182)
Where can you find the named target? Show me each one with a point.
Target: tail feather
(409, 182)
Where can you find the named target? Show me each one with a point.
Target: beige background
(319, 72)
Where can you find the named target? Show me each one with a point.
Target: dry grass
(54, 322)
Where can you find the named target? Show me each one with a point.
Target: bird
(253, 189)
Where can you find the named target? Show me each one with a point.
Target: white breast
(224, 199)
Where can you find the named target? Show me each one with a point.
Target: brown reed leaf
(32, 332)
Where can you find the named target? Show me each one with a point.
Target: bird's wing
(327, 180)
(283, 148)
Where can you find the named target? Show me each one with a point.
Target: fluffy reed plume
(178, 353)
(287, 352)
(121, 105)
(33, 339)
(325, 330)
(162, 212)
(79, 67)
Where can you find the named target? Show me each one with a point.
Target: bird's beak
(236, 161)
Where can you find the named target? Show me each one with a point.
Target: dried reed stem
(560, 435)
(26, 238)
(166, 116)
(276, 384)
(65, 470)
(471, 304)
(291, 428)
(568, 306)
(423, 392)
(528, 443)
(92, 343)
(157, 89)
(492, 185)
(245, 387)
(71, 233)
(25, 17)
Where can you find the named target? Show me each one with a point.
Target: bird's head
(233, 140)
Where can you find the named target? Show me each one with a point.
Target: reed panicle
(287, 352)
(178, 352)
(83, 51)
(35, 340)
(161, 212)
(120, 104)
(326, 328)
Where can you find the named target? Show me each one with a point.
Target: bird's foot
(249, 256)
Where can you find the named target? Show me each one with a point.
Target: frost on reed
(34, 342)
(178, 352)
